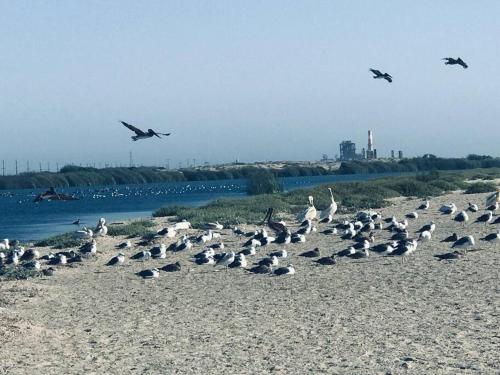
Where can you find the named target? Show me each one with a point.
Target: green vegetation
(480, 187)
(263, 182)
(427, 162)
(16, 273)
(61, 241)
(86, 176)
(132, 229)
(351, 195)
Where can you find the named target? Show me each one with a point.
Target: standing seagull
(379, 74)
(452, 61)
(141, 134)
(463, 243)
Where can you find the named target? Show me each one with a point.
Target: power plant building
(348, 151)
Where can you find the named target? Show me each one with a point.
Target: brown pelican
(276, 226)
(379, 74)
(141, 134)
(452, 61)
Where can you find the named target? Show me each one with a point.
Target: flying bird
(379, 74)
(452, 61)
(141, 134)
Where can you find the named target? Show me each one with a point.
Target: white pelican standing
(101, 228)
(4, 244)
(309, 212)
(84, 233)
(491, 199)
(327, 214)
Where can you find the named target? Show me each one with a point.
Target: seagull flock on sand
(359, 235)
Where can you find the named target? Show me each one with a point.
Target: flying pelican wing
(133, 128)
(461, 62)
(376, 72)
(388, 77)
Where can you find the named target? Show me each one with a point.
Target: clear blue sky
(254, 80)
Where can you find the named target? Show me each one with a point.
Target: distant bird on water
(379, 74)
(452, 61)
(141, 134)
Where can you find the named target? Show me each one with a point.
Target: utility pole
(16, 167)
(28, 166)
(57, 166)
(3, 167)
(40, 165)
(131, 161)
(168, 163)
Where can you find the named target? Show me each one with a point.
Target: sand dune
(373, 316)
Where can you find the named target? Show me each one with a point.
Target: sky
(247, 80)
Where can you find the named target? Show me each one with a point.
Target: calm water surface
(22, 219)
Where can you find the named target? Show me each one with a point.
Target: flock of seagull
(360, 234)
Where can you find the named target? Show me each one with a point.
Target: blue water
(22, 219)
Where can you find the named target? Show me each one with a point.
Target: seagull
(124, 245)
(451, 238)
(485, 218)
(449, 256)
(379, 74)
(462, 217)
(431, 227)
(268, 262)
(492, 237)
(448, 209)
(141, 134)
(142, 255)
(425, 236)
(311, 254)
(452, 61)
(279, 254)
(360, 254)
(412, 215)
(424, 206)
(464, 242)
(288, 270)
(227, 259)
(473, 207)
(149, 274)
(260, 269)
(89, 248)
(174, 267)
(240, 261)
(159, 251)
(116, 260)
(493, 207)
(327, 261)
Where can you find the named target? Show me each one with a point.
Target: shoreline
(375, 315)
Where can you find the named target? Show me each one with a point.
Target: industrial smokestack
(370, 141)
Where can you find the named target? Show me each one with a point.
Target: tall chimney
(370, 141)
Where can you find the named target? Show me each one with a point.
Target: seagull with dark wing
(141, 134)
(379, 74)
(457, 61)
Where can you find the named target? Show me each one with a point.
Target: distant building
(347, 151)
(400, 154)
(371, 153)
(392, 154)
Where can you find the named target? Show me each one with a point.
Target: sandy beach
(372, 316)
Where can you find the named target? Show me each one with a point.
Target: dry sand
(374, 316)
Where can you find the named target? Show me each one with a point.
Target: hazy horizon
(249, 81)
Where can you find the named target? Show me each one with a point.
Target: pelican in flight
(452, 61)
(142, 134)
(379, 74)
